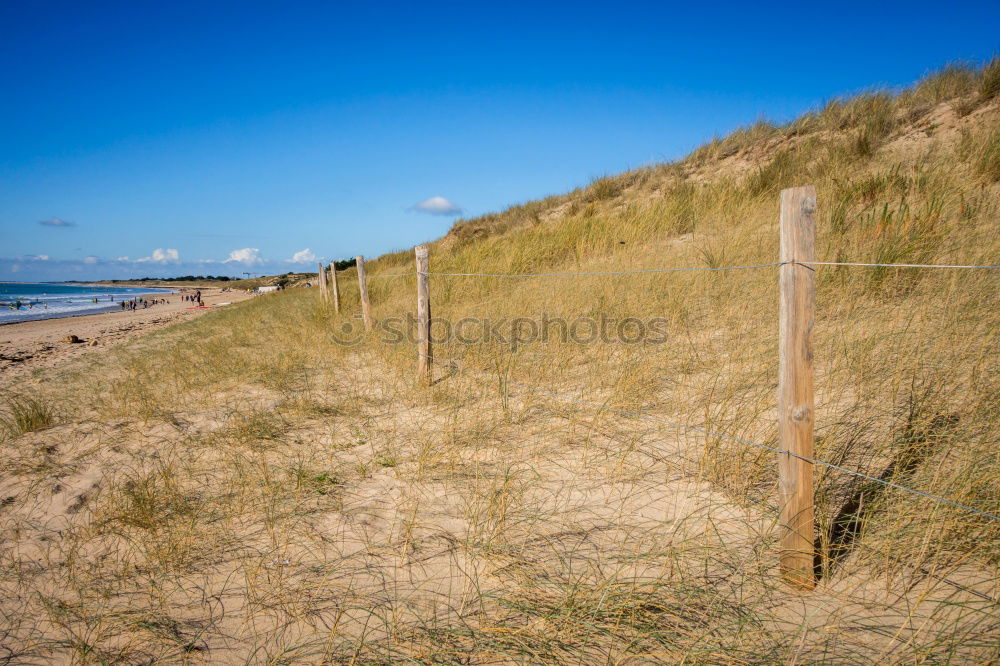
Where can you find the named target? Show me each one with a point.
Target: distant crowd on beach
(194, 298)
(143, 303)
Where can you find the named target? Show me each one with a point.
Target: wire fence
(692, 428)
(796, 372)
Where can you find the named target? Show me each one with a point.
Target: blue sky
(159, 139)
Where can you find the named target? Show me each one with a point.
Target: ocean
(40, 300)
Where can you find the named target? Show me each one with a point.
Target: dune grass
(241, 487)
(24, 414)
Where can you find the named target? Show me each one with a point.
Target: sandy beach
(25, 346)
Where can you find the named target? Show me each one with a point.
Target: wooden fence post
(795, 385)
(322, 282)
(366, 308)
(424, 374)
(335, 288)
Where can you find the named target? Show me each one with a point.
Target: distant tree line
(192, 278)
(182, 278)
(345, 264)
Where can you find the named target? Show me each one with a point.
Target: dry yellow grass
(241, 488)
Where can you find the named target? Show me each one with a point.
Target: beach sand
(28, 345)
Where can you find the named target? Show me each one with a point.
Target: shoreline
(65, 315)
(39, 313)
(31, 344)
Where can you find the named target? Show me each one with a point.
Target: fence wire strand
(851, 263)
(630, 272)
(675, 269)
(341, 276)
(740, 440)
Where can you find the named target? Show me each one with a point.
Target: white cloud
(306, 256)
(56, 222)
(436, 206)
(162, 256)
(247, 256)
(38, 257)
(122, 259)
(90, 259)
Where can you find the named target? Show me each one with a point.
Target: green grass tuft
(23, 414)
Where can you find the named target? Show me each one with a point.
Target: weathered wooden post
(366, 308)
(322, 283)
(423, 316)
(795, 384)
(335, 288)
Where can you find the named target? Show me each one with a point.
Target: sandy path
(28, 345)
